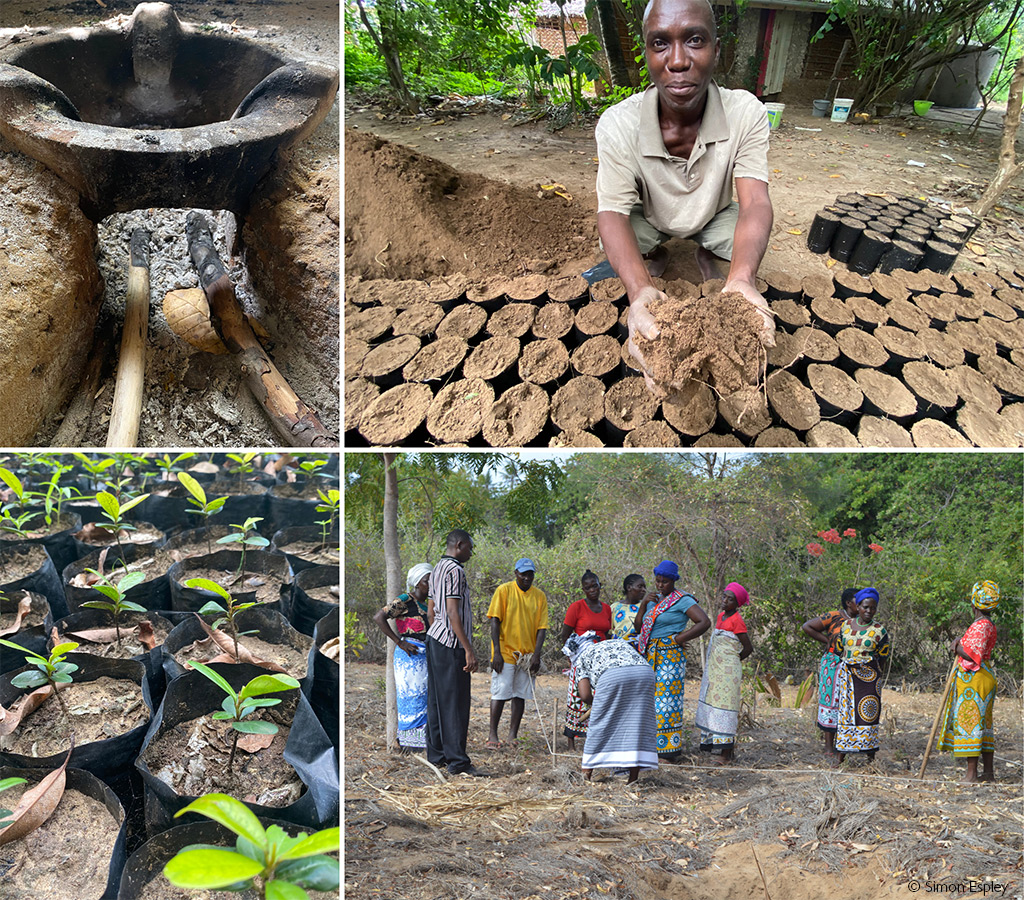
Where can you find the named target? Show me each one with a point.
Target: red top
(734, 623)
(581, 618)
(977, 643)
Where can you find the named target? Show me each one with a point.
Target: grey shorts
(514, 681)
(716, 236)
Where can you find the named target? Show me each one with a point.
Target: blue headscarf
(667, 569)
(864, 593)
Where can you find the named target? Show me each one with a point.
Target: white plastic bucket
(774, 111)
(841, 108)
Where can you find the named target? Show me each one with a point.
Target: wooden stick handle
(938, 718)
(126, 413)
(293, 420)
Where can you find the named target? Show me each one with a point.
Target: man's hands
(497, 660)
(641, 323)
(535, 664)
(471, 663)
(747, 289)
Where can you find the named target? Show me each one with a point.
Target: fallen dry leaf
(37, 804)
(226, 643)
(253, 743)
(332, 649)
(144, 632)
(188, 314)
(25, 706)
(24, 607)
(793, 231)
(96, 635)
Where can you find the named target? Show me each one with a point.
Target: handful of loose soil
(714, 339)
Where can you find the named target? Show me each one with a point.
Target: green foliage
(53, 669)
(286, 866)
(246, 536)
(203, 507)
(113, 511)
(169, 465)
(5, 784)
(227, 612)
(355, 639)
(236, 707)
(14, 483)
(330, 503)
(115, 592)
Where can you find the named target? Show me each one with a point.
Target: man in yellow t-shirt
(519, 622)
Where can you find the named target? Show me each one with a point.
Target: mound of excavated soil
(408, 215)
(714, 340)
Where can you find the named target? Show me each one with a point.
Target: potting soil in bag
(307, 751)
(304, 546)
(43, 579)
(60, 543)
(78, 852)
(153, 593)
(274, 641)
(264, 578)
(121, 698)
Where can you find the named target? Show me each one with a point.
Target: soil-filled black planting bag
(324, 676)
(238, 507)
(268, 624)
(289, 506)
(31, 637)
(305, 612)
(109, 759)
(298, 533)
(87, 618)
(308, 750)
(45, 580)
(89, 785)
(167, 508)
(146, 864)
(60, 544)
(154, 593)
(84, 548)
(257, 562)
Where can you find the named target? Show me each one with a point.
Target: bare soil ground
(535, 829)
(809, 168)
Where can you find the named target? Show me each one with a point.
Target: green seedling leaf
(133, 607)
(107, 591)
(326, 841)
(214, 677)
(108, 503)
(252, 850)
(230, 813)
(210, 869)
(210, 608)
(315, 873)
(268, 684)
(263, 701)
(30, 680)
(131, 504)
(282, 890)
(13, 482)
(255, 727)
(193, 487)
(61, 649)
(6, 783)
(205, 584)
(28, 654)
(131, 580)
(59, 678)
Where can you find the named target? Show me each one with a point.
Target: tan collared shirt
(679, 196)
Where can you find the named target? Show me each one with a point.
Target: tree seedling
(52, 670)
(213, 607)
(94, 468)
(312, 466)
(117, 593)
(14, 483)
(169, 466)
(246, 536)
(243, 465)
(6, 814)
(330, 502)
(286, 866)
(236, 707)
(204, 507)
(114, 511)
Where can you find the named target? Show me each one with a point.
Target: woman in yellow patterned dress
(858, 679)
(967, 731)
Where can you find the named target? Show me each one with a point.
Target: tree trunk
(608, 31)
(1009, 168)
(385, 45)
(393, 574)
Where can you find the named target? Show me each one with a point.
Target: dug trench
(692, 831)
(466, 318)
(64, 274)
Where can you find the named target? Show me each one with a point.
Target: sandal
(494, 745)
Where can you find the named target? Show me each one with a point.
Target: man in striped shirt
(450, 658)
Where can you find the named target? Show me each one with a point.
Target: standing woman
(718, 709)
(858, 679)
(624, 611)
(967, 729)
(666, 620)
(409, 612)
(825, 630)
(586, 615)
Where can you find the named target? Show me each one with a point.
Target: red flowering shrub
(875, 548)
(850, 532)
(818, 550)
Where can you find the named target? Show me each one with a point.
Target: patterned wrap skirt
(411, 694)
(967, 719)
(575, 726)
(669, 664)
(621, 734)
(859, 695)
(828, 701)
(718, 707)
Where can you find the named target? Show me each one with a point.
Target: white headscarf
(578, 643)
(416, 574)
